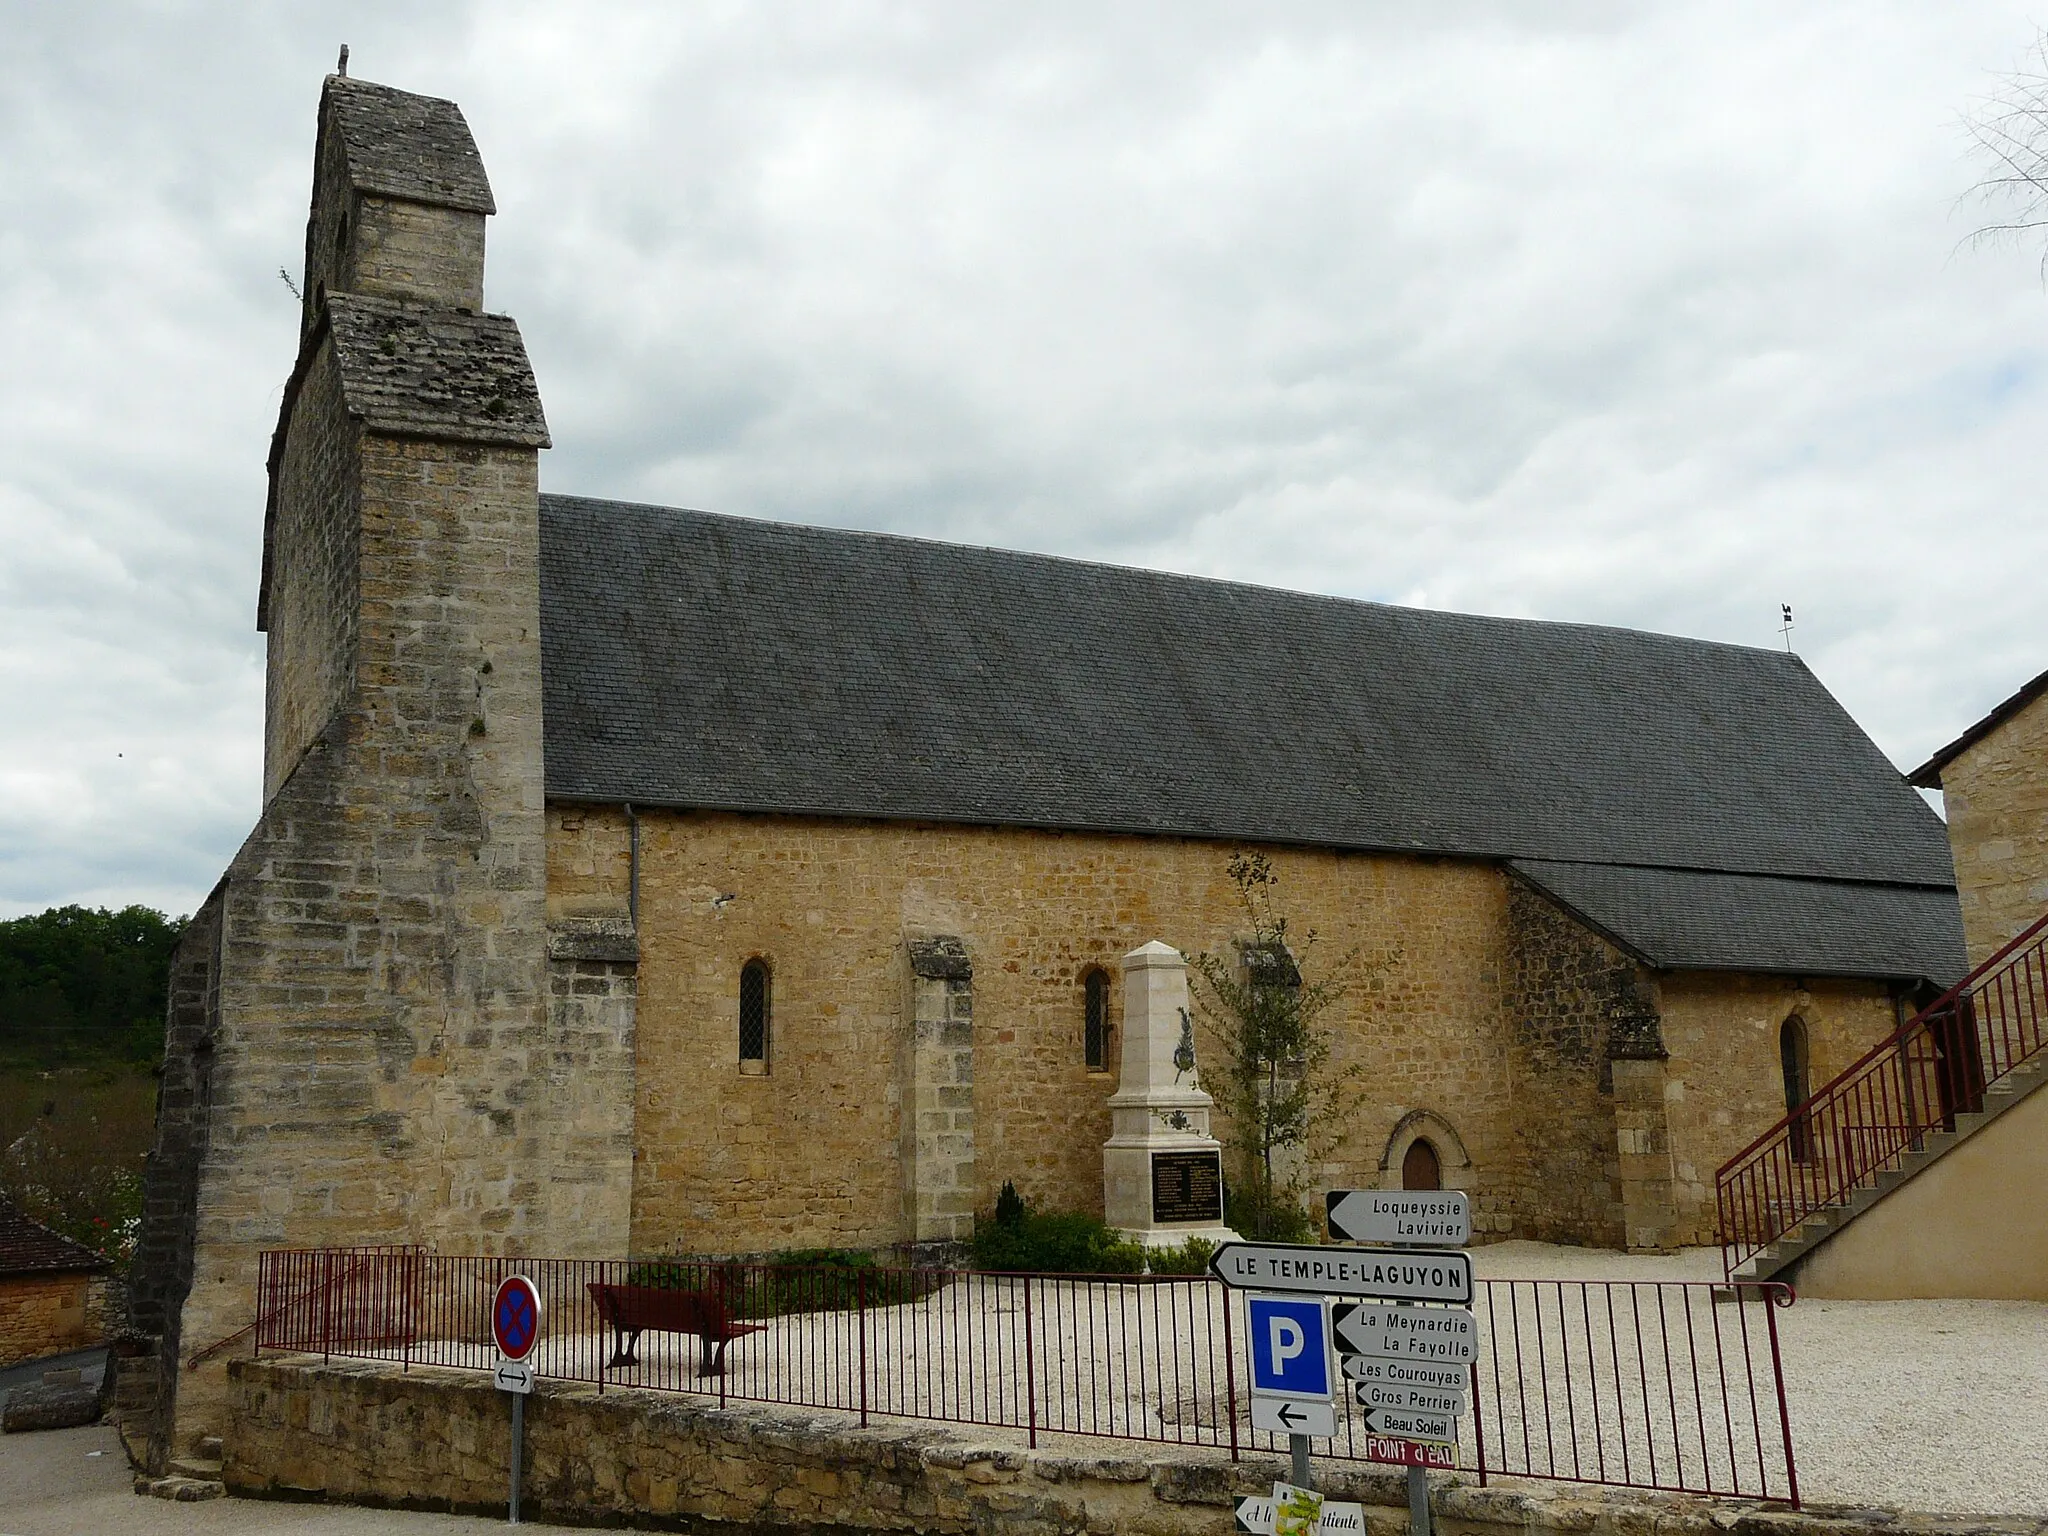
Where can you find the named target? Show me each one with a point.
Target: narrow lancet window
(1095, 1032)
(754, 1004)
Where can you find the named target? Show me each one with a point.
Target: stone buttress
(362, 1044)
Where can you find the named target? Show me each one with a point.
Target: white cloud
(1640, 314)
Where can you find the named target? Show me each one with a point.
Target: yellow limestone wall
(1995, 795)
(807, 1154)
(1972, 1223)
(1723, 1083)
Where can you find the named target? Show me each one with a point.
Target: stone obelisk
(1162, 1172)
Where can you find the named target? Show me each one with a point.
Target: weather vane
(1785, 627)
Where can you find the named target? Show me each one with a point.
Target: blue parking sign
(1290, 1345)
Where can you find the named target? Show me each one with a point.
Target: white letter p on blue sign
(1290, 1345)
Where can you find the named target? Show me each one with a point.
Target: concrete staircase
(1780, 1260)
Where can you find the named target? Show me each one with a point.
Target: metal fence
(1664, 1385)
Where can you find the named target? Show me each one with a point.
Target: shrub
(1019, 1240)
(1188, 1258)
(793, 1281)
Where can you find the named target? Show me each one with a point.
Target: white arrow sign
(1377, 1394)
(513, 1376)
(1418, 1275)
(1395, 1371)
(1446, 1335)
(1440, 1427)
(1287, 1416)
(1432, 1218)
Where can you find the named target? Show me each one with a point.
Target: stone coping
(432, 1438)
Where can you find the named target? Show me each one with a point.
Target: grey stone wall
(395, 1056)
(1572, 1002)
(936, 1075)
(312, 598)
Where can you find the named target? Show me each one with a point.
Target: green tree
(83, 985)
(1284, 1100)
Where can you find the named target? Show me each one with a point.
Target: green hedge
(794, 1281)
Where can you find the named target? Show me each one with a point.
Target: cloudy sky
(1648, 314)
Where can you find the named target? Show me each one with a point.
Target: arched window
(754, 1006)
(1095, 1020)
(1420, 1166)
(1792, 1063)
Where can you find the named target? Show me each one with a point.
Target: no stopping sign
(515, 1317)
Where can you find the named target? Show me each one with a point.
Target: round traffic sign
(515, 1317)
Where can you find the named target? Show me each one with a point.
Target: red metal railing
(1650, 1385)
(1932, 1068)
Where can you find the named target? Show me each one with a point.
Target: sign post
(515, 1329)
(1294, 1373)
(1408, 1363)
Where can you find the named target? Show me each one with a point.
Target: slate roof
(421, 370)
(414, 147)
(1698, 920)
(715, 662)
(1928, 774)
(30, 1248)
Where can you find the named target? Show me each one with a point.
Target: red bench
(630, 1310)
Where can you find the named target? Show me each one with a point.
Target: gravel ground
(1928, 1405)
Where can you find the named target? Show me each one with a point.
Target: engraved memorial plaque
(1187, 1186)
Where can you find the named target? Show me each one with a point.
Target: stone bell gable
(364, 1047)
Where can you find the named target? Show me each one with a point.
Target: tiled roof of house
(715, 662)
(1928, 774)
(28, 1247)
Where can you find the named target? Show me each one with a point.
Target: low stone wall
(436, 1439)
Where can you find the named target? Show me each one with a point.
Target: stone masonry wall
(1724, 1085)
(1995, 794)
(1563, 988)
(441, 1440)
(389, 1067)
(413, 250)
(43, 1315)
(1501, 1017)
(808, 1153)
(312, 599)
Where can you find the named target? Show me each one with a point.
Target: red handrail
(1930, 1069)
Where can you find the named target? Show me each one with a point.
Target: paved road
(75, 1482)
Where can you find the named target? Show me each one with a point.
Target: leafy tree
(83, 985)
(1284, 1100)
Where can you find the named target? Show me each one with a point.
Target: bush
(1018, 1240)
(793, 1281)
(1188, 1258)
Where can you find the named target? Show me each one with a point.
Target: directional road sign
(1445, 1335)
(513, 1376)
(1288, 1416)
(1439, 1427)
(515, 1317)
(1439, 1218)
(1394, 1371)
(1290, 1347)
(1377, 1394)
(1417, 1275)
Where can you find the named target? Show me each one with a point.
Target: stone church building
(635, 880)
